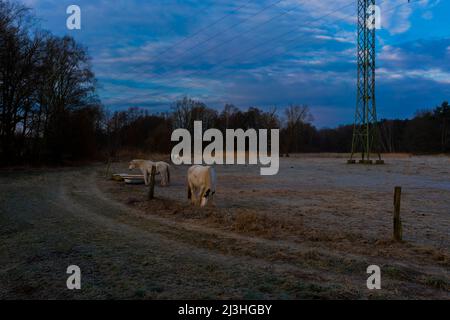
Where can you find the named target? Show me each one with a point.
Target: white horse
(162, 168)
(201, 184)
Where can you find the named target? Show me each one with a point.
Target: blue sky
(261, 53)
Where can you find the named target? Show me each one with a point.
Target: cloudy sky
(259, 53)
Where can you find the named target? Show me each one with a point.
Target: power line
(295, 39)
(241, 34)
(235, 25)
(282, 35)
(212, 24)
(197, 71)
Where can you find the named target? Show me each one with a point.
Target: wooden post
(152, 183)
(397, 221)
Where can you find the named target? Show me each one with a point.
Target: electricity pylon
(365, 131)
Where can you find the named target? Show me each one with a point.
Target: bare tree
(442, 113)
(296, 118)
(18, 58)
(43, 80)
(186, 111)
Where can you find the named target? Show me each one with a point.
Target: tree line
(50, 112)
(48, 107)
(427, 132)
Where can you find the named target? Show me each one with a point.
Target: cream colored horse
(162, 168)
(201, 184)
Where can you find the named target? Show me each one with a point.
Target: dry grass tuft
(259, 224)
(437, 282)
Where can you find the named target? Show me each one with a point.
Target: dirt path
(52, 219)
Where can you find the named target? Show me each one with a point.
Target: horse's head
(208, 195)
(132, 165)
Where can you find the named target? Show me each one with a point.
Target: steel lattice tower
(365, 131)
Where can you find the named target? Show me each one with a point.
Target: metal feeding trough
(129, 178)
(134, 180)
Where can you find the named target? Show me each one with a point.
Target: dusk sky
(261, 53)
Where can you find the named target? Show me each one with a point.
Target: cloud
(395, 20)
(435, 74)
(349, 38)
(390, 53)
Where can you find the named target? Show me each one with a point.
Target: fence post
(397, 221)
(152, 183)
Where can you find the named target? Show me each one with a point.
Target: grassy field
(309, 232)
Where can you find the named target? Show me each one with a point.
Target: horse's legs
(202, 194)
(193, 194)
(145, 176)
(164, 178)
